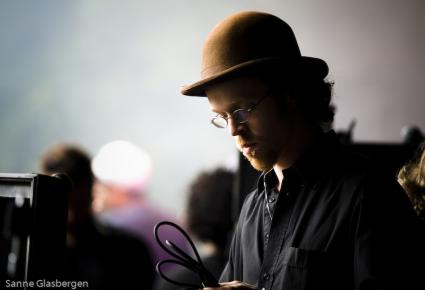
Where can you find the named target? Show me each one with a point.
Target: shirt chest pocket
(304, 270)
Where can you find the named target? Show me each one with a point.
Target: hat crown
(247, 36)
(252, 40)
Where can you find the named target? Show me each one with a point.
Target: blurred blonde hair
(412, 178)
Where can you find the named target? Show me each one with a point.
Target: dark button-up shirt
(337, 223)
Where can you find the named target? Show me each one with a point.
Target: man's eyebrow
(232, 107)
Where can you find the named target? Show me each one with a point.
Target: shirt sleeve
(232, 270)
(228, 273)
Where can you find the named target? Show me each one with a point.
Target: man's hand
(233, 285)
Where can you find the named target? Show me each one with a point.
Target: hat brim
(307, 65)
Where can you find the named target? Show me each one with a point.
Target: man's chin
(259, 164)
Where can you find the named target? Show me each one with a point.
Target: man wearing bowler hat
(320, 217)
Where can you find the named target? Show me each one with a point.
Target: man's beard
(262, 157)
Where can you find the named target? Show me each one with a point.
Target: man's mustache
(242, 140)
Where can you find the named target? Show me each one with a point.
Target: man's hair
(68, 159)
(311, 92)
(209, 206)
(314, 97)
(412, 178)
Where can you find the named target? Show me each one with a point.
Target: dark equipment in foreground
(33, 217)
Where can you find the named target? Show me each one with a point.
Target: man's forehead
(223, 105)
(224, 97)
(229, 102)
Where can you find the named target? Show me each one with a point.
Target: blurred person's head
(208, 209)
(122, 172)
(75, 163)
(412, 178)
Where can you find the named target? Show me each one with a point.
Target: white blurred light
(124, 164)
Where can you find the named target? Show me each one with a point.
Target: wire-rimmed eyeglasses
(239, 116)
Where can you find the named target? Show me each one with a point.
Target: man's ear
(290, 96)
(286, 104)
(291, 101)
(296, 91)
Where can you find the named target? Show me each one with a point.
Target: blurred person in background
(105, 257)
(412, 178)
(208, 219)
(123, 171)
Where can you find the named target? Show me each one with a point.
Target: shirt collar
(310, 167)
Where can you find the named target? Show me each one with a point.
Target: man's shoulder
(364, 175)
(353, 164)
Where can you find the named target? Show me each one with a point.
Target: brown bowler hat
(246, 40)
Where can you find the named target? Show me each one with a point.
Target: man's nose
(235, 128)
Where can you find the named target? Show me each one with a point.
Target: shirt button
(266, 276)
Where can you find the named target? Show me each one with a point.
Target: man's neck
(288, 157)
